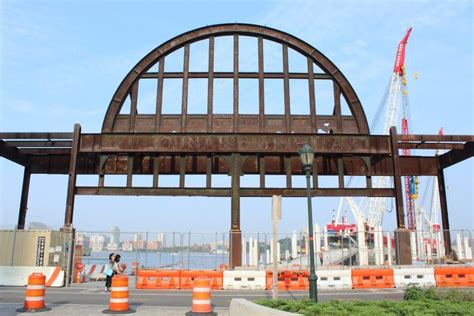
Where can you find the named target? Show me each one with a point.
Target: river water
(164, 260)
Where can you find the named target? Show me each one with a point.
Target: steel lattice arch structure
(235, 144)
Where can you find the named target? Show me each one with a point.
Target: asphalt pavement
(90, 299)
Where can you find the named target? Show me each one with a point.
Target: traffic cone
(35, 292)
(202, 296)
(119, 296)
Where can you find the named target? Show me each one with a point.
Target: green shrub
(416, 302)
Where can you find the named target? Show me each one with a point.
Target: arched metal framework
(356, 123)
(234, 144)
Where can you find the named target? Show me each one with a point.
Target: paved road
(180, 298)
(72, 299)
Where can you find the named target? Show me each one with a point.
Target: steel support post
(444, 213)
(402, 234)
(24, 198)
(71, 186)
(235, 240)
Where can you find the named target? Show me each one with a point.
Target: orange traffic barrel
(119, 296)
(202, 296)
(35, 291)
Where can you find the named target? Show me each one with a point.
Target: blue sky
(61, 62)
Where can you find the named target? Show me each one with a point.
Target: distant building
(161, 238)
(98, 242)
(127, 245)
(114, 243)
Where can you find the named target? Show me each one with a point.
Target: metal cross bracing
(233, 144)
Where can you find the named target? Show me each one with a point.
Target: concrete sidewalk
(7, 309)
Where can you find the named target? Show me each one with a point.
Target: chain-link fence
(208, 251)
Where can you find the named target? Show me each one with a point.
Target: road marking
(216, 294)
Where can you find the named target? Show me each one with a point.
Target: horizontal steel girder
(226, 192)
(233, 143)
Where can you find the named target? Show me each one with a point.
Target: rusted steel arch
(177, 42)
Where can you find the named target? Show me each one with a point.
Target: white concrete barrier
(18, 275)
(334, 279)
(416, 276)
(244, 280)
(240, 306)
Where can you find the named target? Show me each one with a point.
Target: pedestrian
(109, 272)
(321, 257)
(118, 267)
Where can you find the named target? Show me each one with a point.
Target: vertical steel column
(235, 232)
(236, 85)
(261, 87)
(184, 95)
(210, 84)
(397, 182)
(24, 198)
(403, 245)
(71, 187)
(444, 213)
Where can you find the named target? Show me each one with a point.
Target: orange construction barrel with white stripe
(35, 292)
(119, 296)
(202, 296)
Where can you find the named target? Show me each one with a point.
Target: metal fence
(208, 251)
(193, 250)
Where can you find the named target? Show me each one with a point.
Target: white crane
(396, 92)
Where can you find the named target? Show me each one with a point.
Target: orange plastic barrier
(188, 277)
(454, 277)
(119, 296)
(289, 280)
(158, 279)
(372, 278)
(35, 292)
(201, 296)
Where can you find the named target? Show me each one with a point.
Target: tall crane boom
(376, 205)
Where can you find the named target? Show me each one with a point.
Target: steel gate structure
(235, 144)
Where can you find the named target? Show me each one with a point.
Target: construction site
(378, 168)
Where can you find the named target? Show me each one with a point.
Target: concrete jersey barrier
(240, 306)
(244, 280)
(18, 275)
(416, 276)
(334, 279)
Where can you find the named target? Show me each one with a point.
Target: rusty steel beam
(458, 146)
(231, 143)
(456, 156)
(38, 144)
(12, 154)
(355, 166)
(241, 75)
(435, 138)
(226, 192)
(24, 198)
(43, 136)
(71, 186)
(397, 182)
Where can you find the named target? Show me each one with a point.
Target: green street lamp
(307, 156)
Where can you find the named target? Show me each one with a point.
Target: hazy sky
(61, 62)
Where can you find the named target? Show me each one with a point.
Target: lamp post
(307, 155)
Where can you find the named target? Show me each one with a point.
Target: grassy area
(416, 302)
